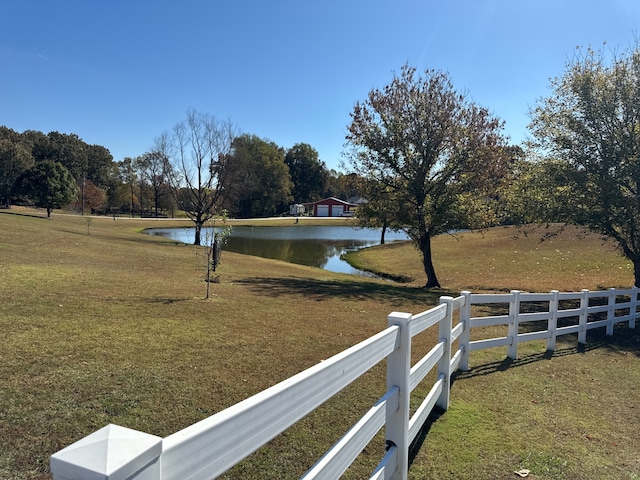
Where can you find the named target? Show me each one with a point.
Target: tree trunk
(636, 272)
(199, 225)
(133, 214)
(425, 250)
(384, 230)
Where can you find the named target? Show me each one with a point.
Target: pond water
(315, 246)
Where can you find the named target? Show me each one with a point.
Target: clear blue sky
(120, 72)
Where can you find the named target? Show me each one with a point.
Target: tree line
(58, 170)
(427, 159)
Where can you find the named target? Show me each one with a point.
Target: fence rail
(196, 452)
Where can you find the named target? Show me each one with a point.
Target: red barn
(331, 207)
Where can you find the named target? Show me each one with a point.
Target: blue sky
(118, 73)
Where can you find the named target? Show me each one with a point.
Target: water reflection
(315, 246)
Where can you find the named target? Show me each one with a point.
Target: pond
(315, 246)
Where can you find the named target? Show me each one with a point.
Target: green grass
(101, 324)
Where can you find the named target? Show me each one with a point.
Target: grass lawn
(102, 324)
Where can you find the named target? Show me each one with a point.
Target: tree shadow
(23, 214)
(319, 290)
(167, 300)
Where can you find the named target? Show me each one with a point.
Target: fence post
(553, 321)
(444, 364)
(398, 370)
(634, 306)
(113, 452)
(611, 310)
(584, 316)
(465, 336)
(514, 318)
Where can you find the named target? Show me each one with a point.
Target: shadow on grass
(417, 443)
(623, 341)
(167, 300)
(23, 214)
(319, 290)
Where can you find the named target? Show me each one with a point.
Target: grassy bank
(104, 325)
(507, 258)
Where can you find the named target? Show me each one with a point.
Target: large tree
(259, 182)
(197, 150)
(48, 185)
(308, 173)
(590, 127)
(438, 155)
(14, 160)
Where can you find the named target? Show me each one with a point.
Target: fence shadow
(624, 341)
(416, 445)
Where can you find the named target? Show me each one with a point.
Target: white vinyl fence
(208, 448)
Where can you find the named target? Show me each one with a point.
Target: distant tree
(99, 165)
(308, 173)
(152, 167)
(85, 162)
(590, 129)
(537, 191)
(14, 160)
(129, 178)
(260, 183)
(48, 185)
(92, 198)
(197, 151)
(117, 193)
(381, 208)
(439, 155)
(343, 186)
(69, 150)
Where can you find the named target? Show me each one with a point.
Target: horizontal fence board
(597, 294)
(422, 368)
(482, 298)
(423, 411)
(248, 425)
(456, 331)
(455, 360)
(568, 330)
(622, 305)
(530, 336)
(597, 309)
(569, 295)
(597, 324)
(628, 292)
(622, 318)
(569, 312)
(534, 316)
(388, 462)
(489, 321)
(536, 297)
(459, 302)
(334, 463)
(489, 343)
(422, 321)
